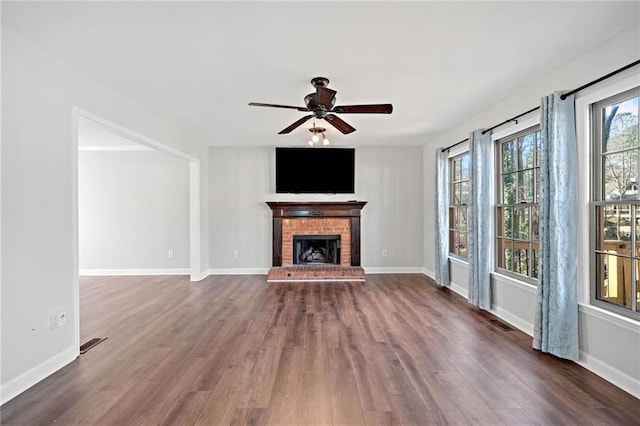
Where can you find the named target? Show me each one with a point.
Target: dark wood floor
(236, 350)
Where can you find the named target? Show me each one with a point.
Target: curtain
(556, 314)
(479, 220)
(442, 217)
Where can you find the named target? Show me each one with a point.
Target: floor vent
(91, 343)
(502, 325)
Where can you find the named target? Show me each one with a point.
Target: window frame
(532, 127)
(597, 200)
(452, 207)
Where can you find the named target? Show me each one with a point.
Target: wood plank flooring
(235, 350)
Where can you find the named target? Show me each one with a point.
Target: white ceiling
(197, 64)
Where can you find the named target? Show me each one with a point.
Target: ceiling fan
(321, 105)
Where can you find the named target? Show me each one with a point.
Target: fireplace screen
(316, 249)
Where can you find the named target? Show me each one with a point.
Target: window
(616, 203)
(459, 198)
(517, 204)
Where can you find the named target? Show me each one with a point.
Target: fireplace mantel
(316, 209)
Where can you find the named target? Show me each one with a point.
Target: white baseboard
(429, 273)
(199, 277)
(462, 291)
(41, 371)
(408, 270)
(239, 271)
(514, 320)
(124, 272)
(613, 375)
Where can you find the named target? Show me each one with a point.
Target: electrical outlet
(384, 253)
(170, 254)
(54, 321)
(234, 253)
(57, 320)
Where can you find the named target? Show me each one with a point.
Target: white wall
(39, 210)
(609, 344)
(388, 178)
(133, 209)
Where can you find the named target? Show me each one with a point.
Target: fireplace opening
(316, 249)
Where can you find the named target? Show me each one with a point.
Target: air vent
(502, 325)
(91, 343)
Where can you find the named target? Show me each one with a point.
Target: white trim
(505, 279)
(613, 375)
(407, 270)
(120, 148)
(462, 291)
(514, 320)
(132, 272)
(15, 387)
(199, 276)
(610, 317)
(429, 273)
(194, 221)
(238, 271)
(130, 134)
(523, 124)
(458, 261)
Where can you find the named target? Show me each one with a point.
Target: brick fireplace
(317, 221)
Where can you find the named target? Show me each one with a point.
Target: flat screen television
(315, 170)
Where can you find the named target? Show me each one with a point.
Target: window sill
(530, 288)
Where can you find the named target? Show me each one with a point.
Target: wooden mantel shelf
(315, 209)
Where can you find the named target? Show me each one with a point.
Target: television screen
(315, 170)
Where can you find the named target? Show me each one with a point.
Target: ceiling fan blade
(294, 125)
(324, 96)
(364, 109)
(278, 106)
(339, 124)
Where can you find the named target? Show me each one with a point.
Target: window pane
(521, 258)
(538, 147)
(534, 260)
(504, 253)
(462, 244)
(509, 188)
(464, 174)
(620, 174)
(461, 214)
(456, 169)
(613, 226)
(525, 186)
(521, 223)
(505, 222)
(464, 192)
(456, 194)
(615, 279)
(620, 125)
(525, 151)
(508, 157)
(535, 224)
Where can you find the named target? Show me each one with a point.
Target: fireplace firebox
(316, 249)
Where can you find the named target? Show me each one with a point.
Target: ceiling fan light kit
(317, 135)
(321, 105)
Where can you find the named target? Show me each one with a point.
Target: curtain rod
(563, 97)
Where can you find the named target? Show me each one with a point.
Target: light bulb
(325, 141)
(315, 138)
(310, 143)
